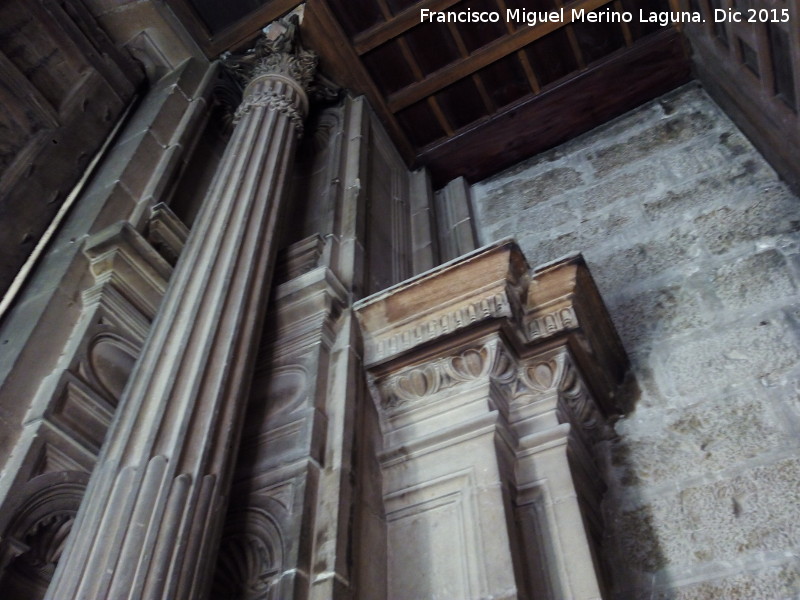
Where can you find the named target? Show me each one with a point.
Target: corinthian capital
(277, 52)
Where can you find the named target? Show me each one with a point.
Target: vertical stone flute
(149, 523)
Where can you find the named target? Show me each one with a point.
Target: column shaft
(150, 519)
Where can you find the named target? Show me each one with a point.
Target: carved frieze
(402, 319)
(417, 383)
(495, 305)
(551, 323)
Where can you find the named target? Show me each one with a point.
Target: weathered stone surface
(644, 182)
(772, 210)
(688, 199)
(695, 246)
(677, 444)
(520, 194)
(646, 316)
(760, 351)
(756, 281)
(653, 139)
(543, 248)
(767, 584)
(724, 520)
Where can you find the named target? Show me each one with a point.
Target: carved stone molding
(304, 311)
(166, 232)
(68, 419)
(109, 361)
(495, 305)
(121, 259)
(549, 324)
(299, 258)
(251, 557)
(35, 536)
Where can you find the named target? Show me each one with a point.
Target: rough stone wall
(695, 245)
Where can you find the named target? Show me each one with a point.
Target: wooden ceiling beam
(183, 10)
(488, 103)
(235, 35)
(246, 28)
(408, 19)
(607, 89)
(322, 33)
(533, 81)
(483, 57)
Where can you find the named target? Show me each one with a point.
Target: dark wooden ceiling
(469, 99)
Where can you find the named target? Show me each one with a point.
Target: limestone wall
(695, 245)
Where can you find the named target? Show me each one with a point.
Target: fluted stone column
(149, 523)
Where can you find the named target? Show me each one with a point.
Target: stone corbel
(122, 260)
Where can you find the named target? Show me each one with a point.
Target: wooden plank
(484, 56)
(22, 101)
(321, 31)
(764, 57)
(626, 31)
(193, 23)
(246, 28)
(409, 18)
(770, 125)
(488, 104)
(652, 66)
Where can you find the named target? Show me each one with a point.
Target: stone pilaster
(493, 386)
(150, 521)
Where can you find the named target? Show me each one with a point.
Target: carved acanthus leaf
(493, 306)
(277, 52)
(580, 406)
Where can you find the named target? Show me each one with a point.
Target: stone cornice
(482, 285)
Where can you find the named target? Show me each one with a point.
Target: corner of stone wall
(695, 245)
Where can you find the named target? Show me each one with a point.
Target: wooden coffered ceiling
(469, 99)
